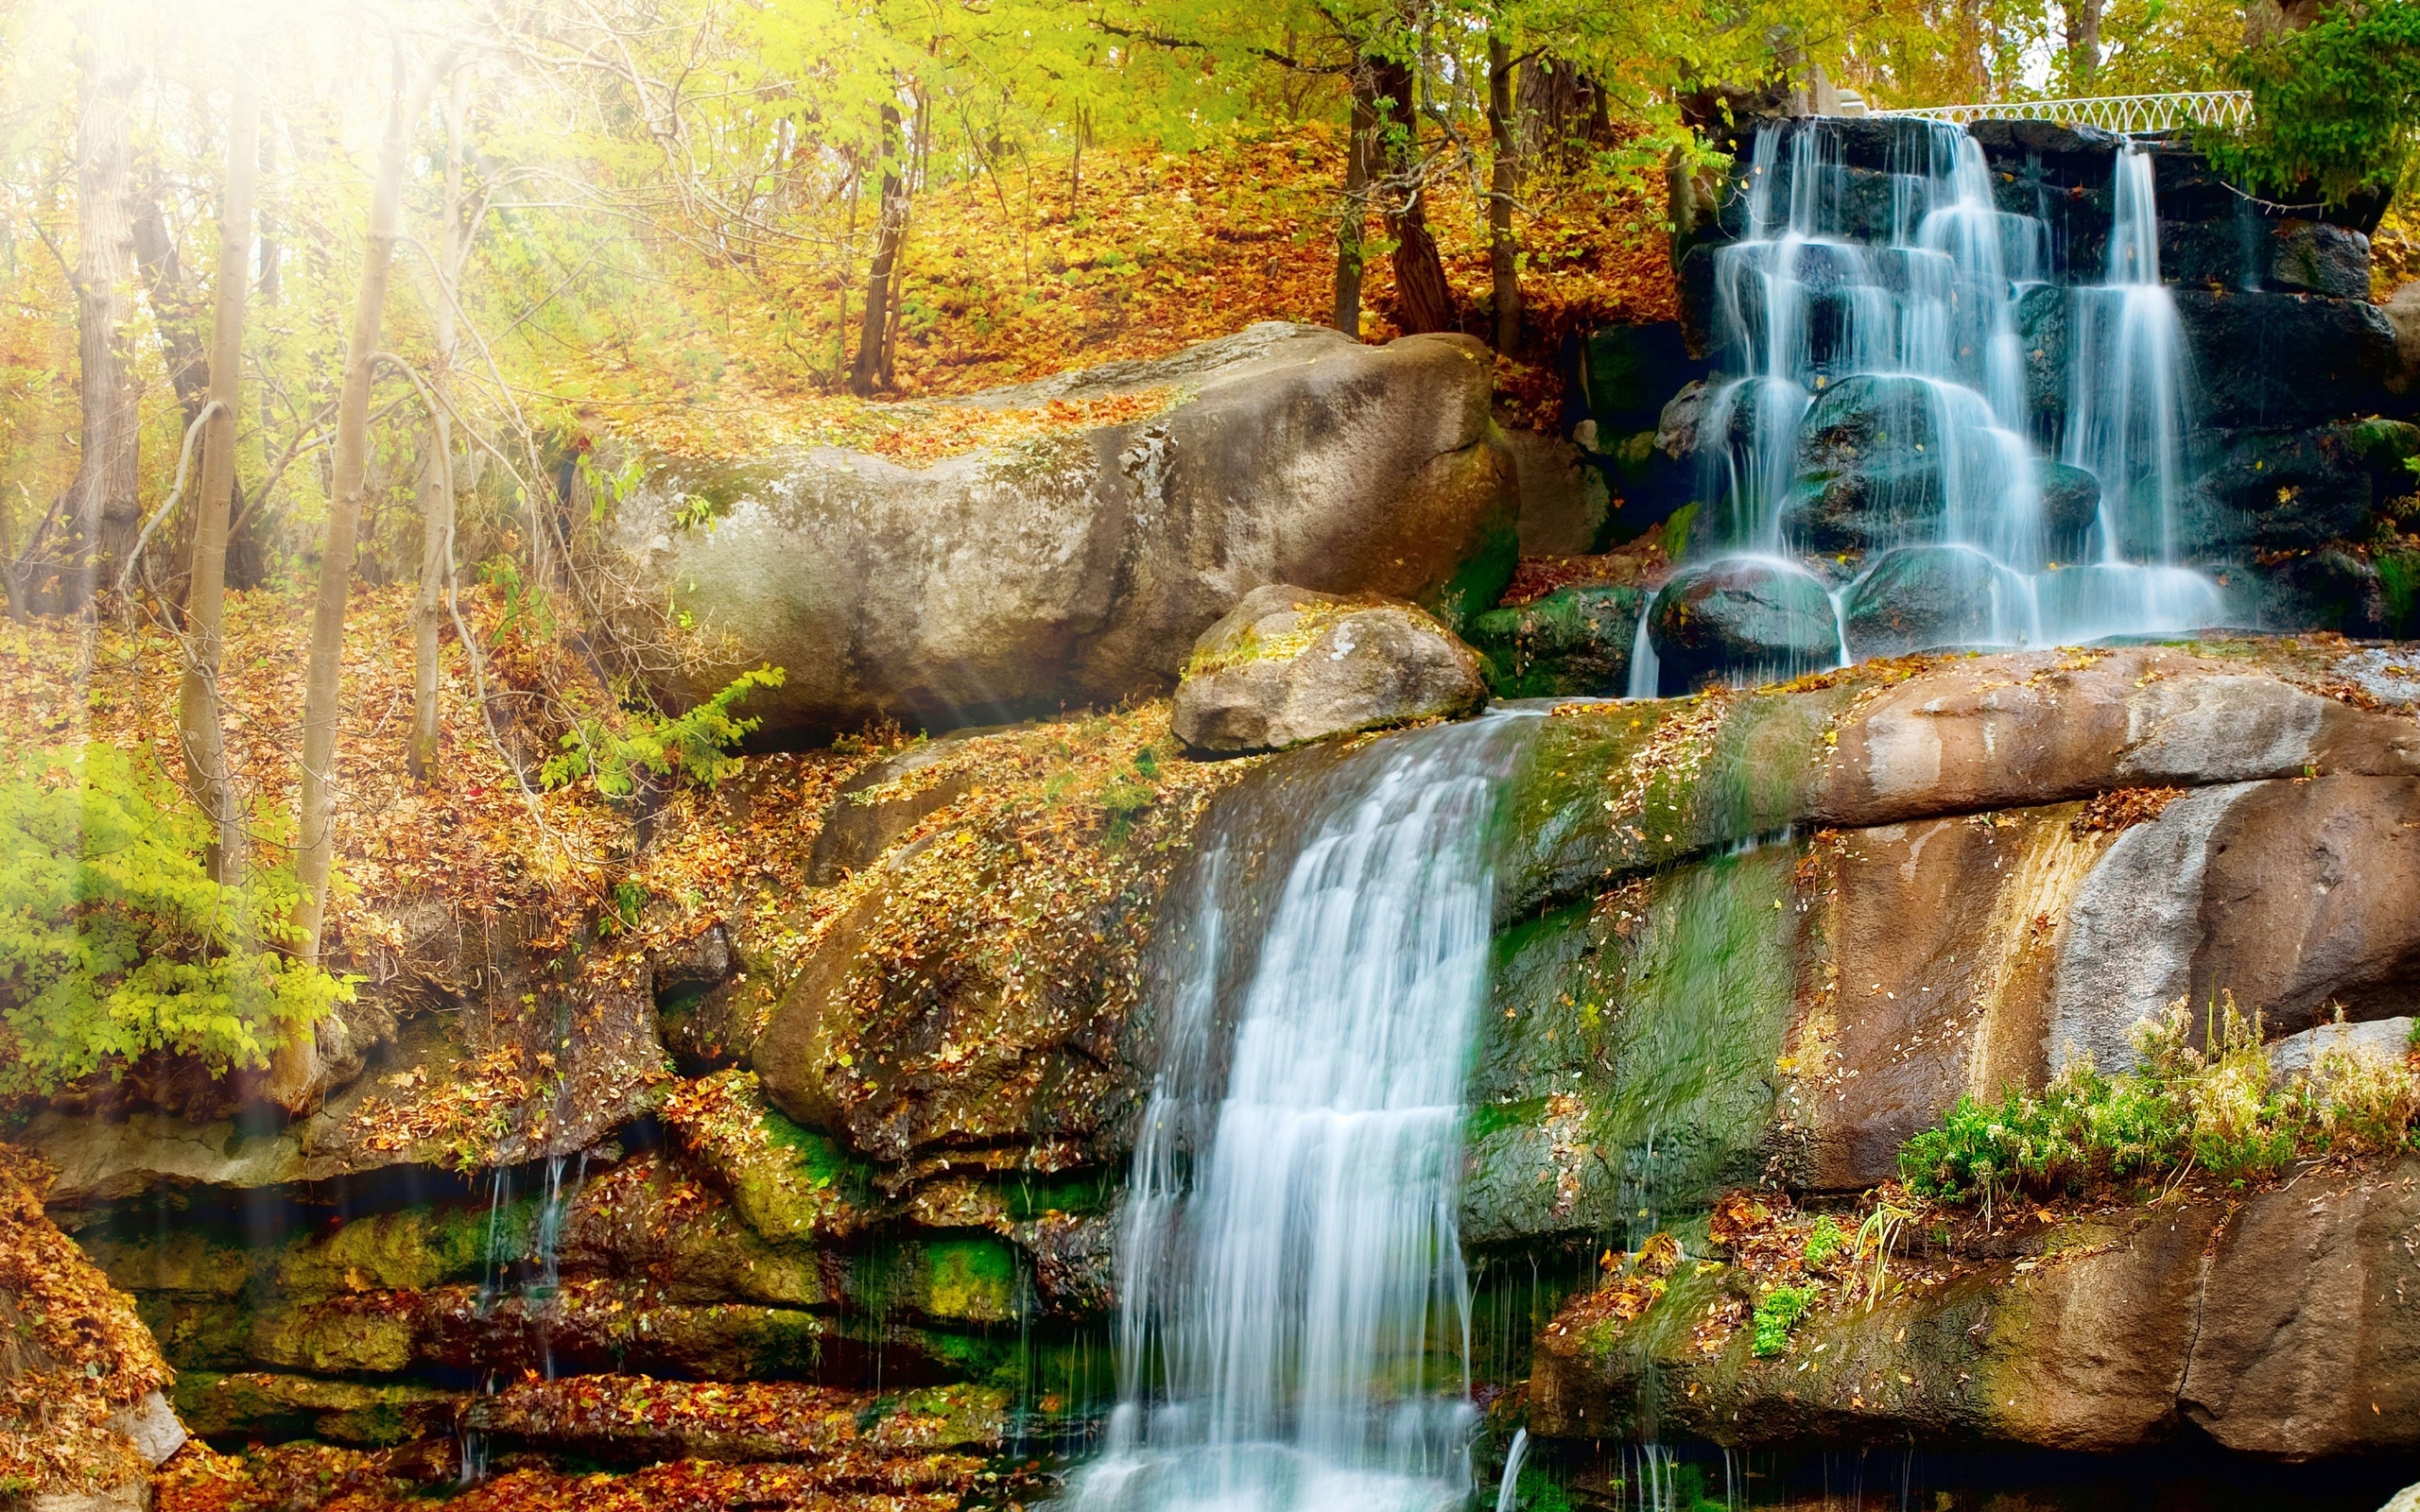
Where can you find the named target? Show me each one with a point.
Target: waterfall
(1507, 1490)
(1915, 300)
(1294, 1316)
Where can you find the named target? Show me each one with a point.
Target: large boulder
(1919, 597)
(1079, 566)
(1740, 617)
(1289, 666)
(2271, 489)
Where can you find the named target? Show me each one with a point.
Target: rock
(2270, 489)
(2329, 588)
(2322, 1365)
(2285, 359)
(2045, 322)
(2387, 1039)
(1627, 373)
(1920, 597)
(269, 1406)
(1289, 666)
(2113, 1331)
(877, 806)
(1076, 568)
(1564, 500)
(626, 1420)
(152, 1427)
(2407, 1500)
(1740, 617)
(2316, 258)
(2403, 313)
(1572, 641)
(2070, 506)
(1869, 466)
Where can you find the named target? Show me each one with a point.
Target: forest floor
(1138, 255)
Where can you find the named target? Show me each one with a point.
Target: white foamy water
(1294, 1314)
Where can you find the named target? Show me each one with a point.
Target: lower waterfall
(1294, 1314)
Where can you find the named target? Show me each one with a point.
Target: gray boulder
(1290, 666)
(1079, 566)
(1740, 616)
(1918, 597)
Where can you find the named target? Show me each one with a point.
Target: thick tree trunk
(297, 1080)
(1504, 261)
(198, 706)
(2082, 19)
(1360, 128)
(1425, 300)
(437, 483)
(866, 373)
(102, 512)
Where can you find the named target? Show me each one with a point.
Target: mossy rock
(1572, 642)
(410, 1250)
(790, 1183)
(969, 1281)
(260, 1405)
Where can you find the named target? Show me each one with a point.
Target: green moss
(1573, 642)
(968, 1280)
(262, 1406)
(412, 1250)
(1480, 580)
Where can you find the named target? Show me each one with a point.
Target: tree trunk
(2084, 42)
(865, 374)
(1425, 300)
(297, 1080)
(198, 706)
(103, 512)
(1360, 126)
(437, 486)
(1503, 258)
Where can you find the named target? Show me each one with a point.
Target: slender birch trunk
(296, 1078)
(198, 721)
(436, 498)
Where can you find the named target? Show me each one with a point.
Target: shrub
(696, 745)
(115, 940)
(1825, 1241)
(1777, 1312)
(2216, 1110)
(2336, 106)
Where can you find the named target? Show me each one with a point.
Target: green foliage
(2336, 106)
(2216, 1110)
(696, 745)
(1777, 1312)
(1825, 1241)
(115, 940)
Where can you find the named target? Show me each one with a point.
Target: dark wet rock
(1869, 466)
(1572, 641)
(1740, 617)
(1077, 568)
(2329, 588)
(2271, 489)
(2045, 319)
(1920, 597)
(2070, 504)
(2285, 359)
(1289, 666)
(1629, 371)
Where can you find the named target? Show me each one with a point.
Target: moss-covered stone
(266, 1406)
(1627, 1063)
(1574, 641)
(410, 1250)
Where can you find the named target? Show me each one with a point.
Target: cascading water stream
(1938, 436)
(1295, 1311)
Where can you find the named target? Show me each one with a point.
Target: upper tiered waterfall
(1295, 1311)
(1872, 445)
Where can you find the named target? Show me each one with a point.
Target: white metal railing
(2128, 114)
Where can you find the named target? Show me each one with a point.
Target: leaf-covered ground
(72, 1352)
